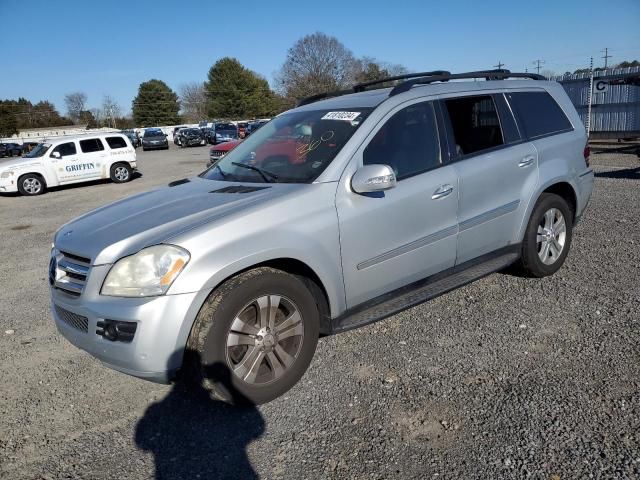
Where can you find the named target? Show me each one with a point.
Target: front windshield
(153, 133)
(39, 150)
(192, 131)
(293, 148)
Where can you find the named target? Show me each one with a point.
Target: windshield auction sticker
(346, 116)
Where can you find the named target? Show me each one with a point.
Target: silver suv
(347, 209)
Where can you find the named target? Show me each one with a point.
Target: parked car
(224, 132)
(28, 146)
(10, 149)
(176, 135)
(69, 160)
(207, 133)
(388, 198)
(218, 151)
(133, 136)
(154, 139)
(190, 137)
(253, 126)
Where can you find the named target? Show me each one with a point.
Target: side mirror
(373, 178)
(56, 155)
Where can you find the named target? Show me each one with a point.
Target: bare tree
(368, 69)
(110, 110)
(193, 101)
(548, 74)
(316, 63)
(75, 103)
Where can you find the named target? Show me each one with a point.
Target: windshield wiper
(261, 171)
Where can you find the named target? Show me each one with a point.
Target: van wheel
(120, 173)
(31, 184)
(254, 337)
(548, 236)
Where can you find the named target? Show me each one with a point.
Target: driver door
(64, 166)
(395, 237)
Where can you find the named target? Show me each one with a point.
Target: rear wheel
(120, 173)
(31, 184)
(254, 337)
(548, 236)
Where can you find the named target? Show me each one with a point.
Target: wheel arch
(37, 174)
(559, 186)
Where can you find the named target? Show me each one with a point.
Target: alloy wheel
(32, 185)
(551, 236)
(265, 339)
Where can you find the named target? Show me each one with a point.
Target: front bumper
(163, 326)
(155, 146)
(9, 184)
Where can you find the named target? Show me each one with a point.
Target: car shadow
(71, 186)
(627, 173)
(192, 435)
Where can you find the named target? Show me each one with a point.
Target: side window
(475, 124)
(65, 149)
(539, 114)
(407, 142)
(116, 142)
(91, 145)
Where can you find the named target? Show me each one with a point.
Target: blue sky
(110, 47)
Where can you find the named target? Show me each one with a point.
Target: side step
(423, 290)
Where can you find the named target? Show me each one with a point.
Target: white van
(67, 160)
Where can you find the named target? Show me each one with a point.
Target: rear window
(539, 114)
(225, 126)
(91, 145)
(116, 142)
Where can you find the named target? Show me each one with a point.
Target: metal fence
(615, 113)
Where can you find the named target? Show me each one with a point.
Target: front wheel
(120, 173)
(548, 236)
(254, 337)
(31, 184)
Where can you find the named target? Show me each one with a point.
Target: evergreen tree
(156, 104)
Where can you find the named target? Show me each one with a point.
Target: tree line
(314, 64)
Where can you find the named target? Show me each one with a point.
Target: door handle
(442, 192)
(525, 162)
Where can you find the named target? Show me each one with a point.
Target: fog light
(115, 330)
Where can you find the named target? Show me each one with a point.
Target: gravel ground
(504, 378)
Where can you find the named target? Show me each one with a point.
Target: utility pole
(538, 64)
(606, 56)
(499, 65)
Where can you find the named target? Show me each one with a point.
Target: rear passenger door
(92, 160)
(497, 172)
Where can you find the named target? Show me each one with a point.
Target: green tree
(8, 121)
(156, 104)
(233, 91)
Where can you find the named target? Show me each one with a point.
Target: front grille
(73, 319)
(68, 272)
(216, 153)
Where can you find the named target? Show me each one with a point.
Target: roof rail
(360, 87)
(421, 78)
(498, 74)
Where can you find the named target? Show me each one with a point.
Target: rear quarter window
(116, 142)
(539, 114)
(91, 145)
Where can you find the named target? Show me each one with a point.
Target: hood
(19, 162)
(226, 146)
(149, 218)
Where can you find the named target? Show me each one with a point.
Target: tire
(540, 256)
(144, 149)
(31, 185)
(120, 173)
(211, 364)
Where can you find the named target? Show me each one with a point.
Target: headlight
(6, 174)
(148, 273)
